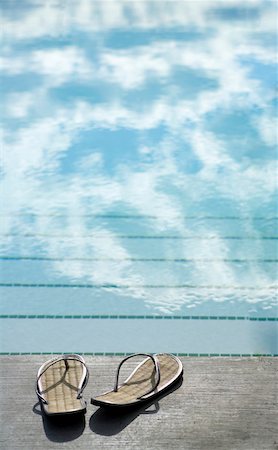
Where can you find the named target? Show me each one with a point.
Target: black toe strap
(156, 366)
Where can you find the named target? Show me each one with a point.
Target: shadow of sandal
(111, 421)
(61, 428)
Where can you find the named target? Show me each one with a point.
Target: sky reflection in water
(139, 152)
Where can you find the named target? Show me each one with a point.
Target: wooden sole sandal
(60, 383)
(150, 378)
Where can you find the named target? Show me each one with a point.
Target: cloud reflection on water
(194, 131)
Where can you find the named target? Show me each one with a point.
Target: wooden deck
(223, 403)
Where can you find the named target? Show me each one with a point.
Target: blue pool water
(139, 177)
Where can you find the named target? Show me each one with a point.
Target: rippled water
(139, 158)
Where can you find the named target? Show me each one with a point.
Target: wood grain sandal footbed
(60, 384)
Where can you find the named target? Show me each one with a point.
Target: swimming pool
(139, 188)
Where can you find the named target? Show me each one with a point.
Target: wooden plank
(223, 403)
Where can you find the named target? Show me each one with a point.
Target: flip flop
(150, 378)
(60, 383)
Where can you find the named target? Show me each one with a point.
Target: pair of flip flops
(61, 381)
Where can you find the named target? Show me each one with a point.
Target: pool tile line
(198, 355)
(141, 317)
(181, 260)
(157, 237)
(138, 216)
(133, 286)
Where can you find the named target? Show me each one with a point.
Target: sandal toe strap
(156, 366)
(64, 358)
